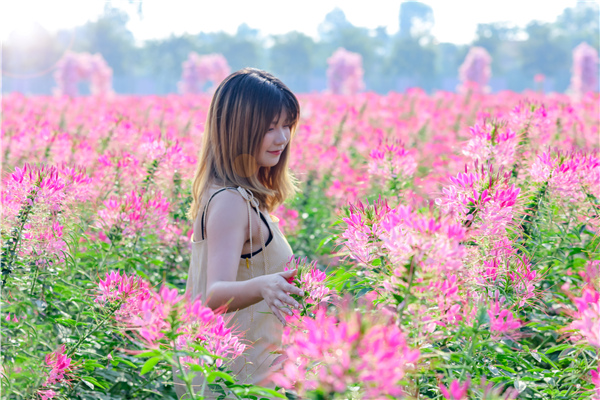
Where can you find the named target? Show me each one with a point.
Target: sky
(455, 20)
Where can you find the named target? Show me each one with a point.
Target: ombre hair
(240, 114)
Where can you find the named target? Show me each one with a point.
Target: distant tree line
(411, 57)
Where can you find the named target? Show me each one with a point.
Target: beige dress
(262, 329)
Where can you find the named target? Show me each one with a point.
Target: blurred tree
(580, 24)
(543, 52)
(492, 37)
(416, 19)
(335, 32)
(449, 57)
(162, 59)
(335, 20)
(411, 55)
(109, 36)
(290, 57)
(410, 59)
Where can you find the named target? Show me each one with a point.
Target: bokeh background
(403, 44)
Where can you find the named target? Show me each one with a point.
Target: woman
(238, 252)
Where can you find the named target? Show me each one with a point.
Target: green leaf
(125, 362)
(219, 374)
(508, 369)
(148, 365)
(557, 348)
(91, 380)
(376, 262)
(90, 385)
(151, 353)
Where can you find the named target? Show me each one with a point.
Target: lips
(276, 153)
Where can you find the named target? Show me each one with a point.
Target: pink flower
(596, 379)
(287, 219)
(47, 394)
(345, 72)
(197, 70)
(74, 67)
(585, 70)
(132, 291)
(330, 353)
(502, 320)
(457, 391)
(391, 161)
(310, 279)
(59, 364)
(587, 316)
(475, 70)
(153, 314)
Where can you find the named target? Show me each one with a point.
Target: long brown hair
(241, 111)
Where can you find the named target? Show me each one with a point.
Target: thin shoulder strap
(206, 208)
(252, 201)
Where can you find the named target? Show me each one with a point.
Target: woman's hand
(274, 290)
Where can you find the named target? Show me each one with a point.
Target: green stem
(411, 275)
(185, 377)
(147, 381)
(100, 325)
(13, 242)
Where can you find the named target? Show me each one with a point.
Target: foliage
(455, 232)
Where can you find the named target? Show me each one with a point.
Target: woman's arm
(226, 233)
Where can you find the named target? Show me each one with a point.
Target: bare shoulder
(227, 210)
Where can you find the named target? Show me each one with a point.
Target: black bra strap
(206, 207)
(261, 216)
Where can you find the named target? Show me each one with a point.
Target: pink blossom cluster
(502, 320)
(434, 244)
(482, 200)
(363, 230)
(42, 199)
(502, 268)
(287, 218)
(493, 143)
(585, 70)
(456, 390)
(587, 317)
(449, 303)
(570, 175)
(391, 161)
(76, 67)
(197, 324)
(197, 70)
(596, 381)
(345, 72)
(475, 71)
(47, 394)
(537, 123)
(129, 291)
(310, 279)
(59, 365)
(152, 314)
(134, 214)
(331, 353)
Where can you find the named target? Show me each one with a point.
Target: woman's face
(274, 141)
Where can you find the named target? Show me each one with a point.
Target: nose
(283, 136)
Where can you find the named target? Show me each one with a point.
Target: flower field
(448, 244)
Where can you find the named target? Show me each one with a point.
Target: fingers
(277, 303)
(276, 312)
(287, 299)
(289, 272)
(293, 289)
